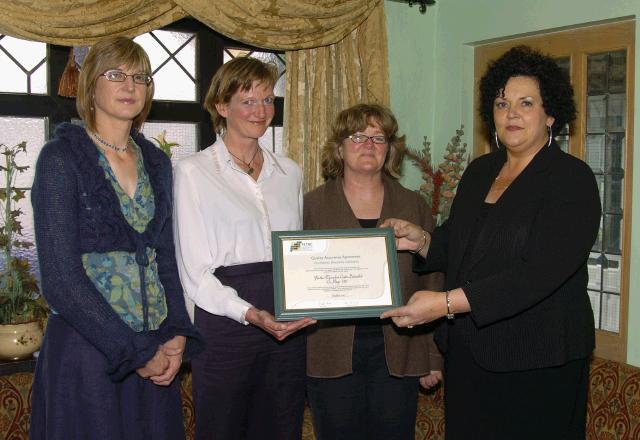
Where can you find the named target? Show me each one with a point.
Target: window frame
(209, 58)
(577, 44)
(207, 63)
(55, 109)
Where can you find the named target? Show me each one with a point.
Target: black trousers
(246, 384)
(368, 404)
(546, 403)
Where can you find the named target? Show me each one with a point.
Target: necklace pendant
(250, 170)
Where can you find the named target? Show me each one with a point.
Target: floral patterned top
(116, 273)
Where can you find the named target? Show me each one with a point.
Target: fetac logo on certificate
(306, 246)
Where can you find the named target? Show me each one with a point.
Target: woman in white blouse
(249, 382)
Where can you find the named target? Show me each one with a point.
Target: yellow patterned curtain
(82, 22)
(281, 24)
(336, 49)
(323, 81)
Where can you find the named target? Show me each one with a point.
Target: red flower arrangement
(440, 184)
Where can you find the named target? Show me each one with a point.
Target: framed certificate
(335, 274)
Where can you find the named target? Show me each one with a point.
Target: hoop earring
(550, 130)
(497, 143)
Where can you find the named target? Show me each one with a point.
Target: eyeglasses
(120, 76)
(360, 138)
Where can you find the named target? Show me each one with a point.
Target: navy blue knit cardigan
(76, 211)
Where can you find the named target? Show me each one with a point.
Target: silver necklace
(113, 147)
(250, 169)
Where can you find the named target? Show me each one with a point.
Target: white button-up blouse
(222, 217)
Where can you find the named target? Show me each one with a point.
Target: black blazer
(526, 279)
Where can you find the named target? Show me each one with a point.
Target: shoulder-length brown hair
(237, 74)
(105, 55)
(357, 118)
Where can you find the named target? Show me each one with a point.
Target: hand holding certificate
(279, 330)
(333, 274)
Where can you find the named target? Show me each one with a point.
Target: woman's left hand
(173, 349)
(174, 346)
(431, 380)
(424, 306)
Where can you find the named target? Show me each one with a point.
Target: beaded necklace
(109, 145)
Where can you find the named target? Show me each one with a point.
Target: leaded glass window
(24, 66)
(173, 63)
(562, 138)
(277, 59)
(605, 147)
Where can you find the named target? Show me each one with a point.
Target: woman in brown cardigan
(364, 374)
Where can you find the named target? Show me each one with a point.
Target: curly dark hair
(555, 87)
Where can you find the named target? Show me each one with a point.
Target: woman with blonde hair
(102, 208)
(249, 382)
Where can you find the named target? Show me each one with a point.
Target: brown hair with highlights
(105, 55)
(357, 118)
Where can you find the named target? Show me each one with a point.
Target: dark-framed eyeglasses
(360, 138)
(119, 76)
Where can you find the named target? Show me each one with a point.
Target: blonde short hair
(237, 74)
(104, 55)
(357, 118)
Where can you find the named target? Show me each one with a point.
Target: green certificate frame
(335, 273)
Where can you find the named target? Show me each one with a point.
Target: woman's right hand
(279, 330)
(156, 366)
(409, 236)
(431, 380)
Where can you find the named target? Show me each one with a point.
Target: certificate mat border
(283, 314)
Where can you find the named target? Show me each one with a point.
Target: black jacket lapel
(525, 190)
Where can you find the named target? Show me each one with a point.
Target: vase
(19, 341)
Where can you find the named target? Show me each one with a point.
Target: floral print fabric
(116, 274)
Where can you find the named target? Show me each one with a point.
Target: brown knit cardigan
(409, 352)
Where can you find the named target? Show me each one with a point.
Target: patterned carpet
(613, 412)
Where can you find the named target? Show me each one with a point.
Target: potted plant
(22, 308)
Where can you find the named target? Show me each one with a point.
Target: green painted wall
(431, 73)
(411, 69)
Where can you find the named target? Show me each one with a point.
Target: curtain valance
(336, 49)
(282, 24)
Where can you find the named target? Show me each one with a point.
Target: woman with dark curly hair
(519, 330)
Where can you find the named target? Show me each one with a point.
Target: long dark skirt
(73, 398)
(246, 384)
(546, 403)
